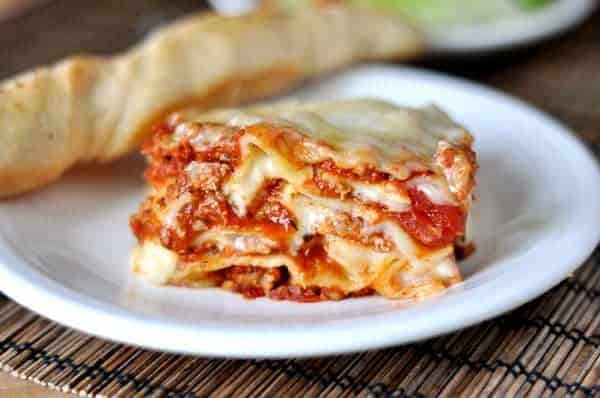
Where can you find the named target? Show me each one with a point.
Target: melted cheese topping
(356, 133)
(210, 135)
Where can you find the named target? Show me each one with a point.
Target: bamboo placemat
(548, 347)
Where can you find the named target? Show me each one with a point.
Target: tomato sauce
(431, 224)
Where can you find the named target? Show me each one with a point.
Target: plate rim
(98, 318)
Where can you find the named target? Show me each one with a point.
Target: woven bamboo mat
(548, 347)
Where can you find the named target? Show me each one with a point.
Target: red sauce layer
(431, 224)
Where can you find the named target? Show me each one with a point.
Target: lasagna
(307, 201)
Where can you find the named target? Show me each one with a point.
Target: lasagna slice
(307, 201)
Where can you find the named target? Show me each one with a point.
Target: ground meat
(255, 282)
(251, 282)
(312, 294)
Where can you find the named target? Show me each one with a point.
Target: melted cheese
(362, 264)
(201, 137)
(248, 179)
(386, 194)
(356, 133)
(154, 263)
(241, 242)
(435, 189)
(260, 163)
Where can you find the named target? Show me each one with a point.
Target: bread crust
(91, 108)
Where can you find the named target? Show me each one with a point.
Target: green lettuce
(443, 12)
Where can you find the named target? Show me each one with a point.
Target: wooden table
(561, 76)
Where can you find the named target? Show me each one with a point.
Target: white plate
(64, 250)
(515, 31)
